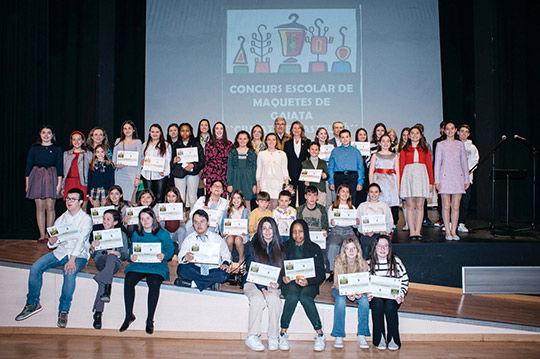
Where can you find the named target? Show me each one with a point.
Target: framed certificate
(318, 237)
(188, 154)
(373, 223)
(352, 283)
(363, 147)
(385, 287)
(108, 238)
(97, 214)
(171, 211)
(206, 252)
(147, 252)
(326, 150)
(235, 227)
(300, 268)
(310, 175)
(263, 274)
(134, 213)
(344, 217)
(64, 232)
(154, 164)
(128, 158)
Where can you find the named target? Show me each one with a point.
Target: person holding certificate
(296, 149)
(216, 154)
(213, 204)
(300, 288)
(146, 199)
(148, 232)
(176, 227)
(127, 154)
(116, 198)
(383, 263)
(156, 165)
(265, 248)
(108, 259)
(241, 168)
(313, 162)
(237, 211)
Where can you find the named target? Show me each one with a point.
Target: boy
(284, 214)
(263, 201)
(473, 156)
(313, 162)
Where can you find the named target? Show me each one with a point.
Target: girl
(146, 199)
(257, 139)
(172, 133)
(350, 260)
(393, 139)
(321, 136)
(43, 178)
(176, 228)
(204, 134)
(383, 263)
(237, 210)
(451, 177)
(100, 176)
(378, 131)
(302, 289)
(384, 170)
(108, 262)
(116, 198)
(76, 165)
(186, 175)
(296, 150)
(272, 170)
(416, 182)
(241, 168)
(128, 176)
(214, 201)
(216, 153)
(98, 136)
(404, 136)
(361, 135)
(266, 248)
(156, 147)
(148, 231)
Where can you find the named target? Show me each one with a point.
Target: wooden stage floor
(422, 299)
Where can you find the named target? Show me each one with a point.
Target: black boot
(97, 320)
(106, 296)
(149, 326)
(127, 322)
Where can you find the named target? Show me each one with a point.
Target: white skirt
(414, 181)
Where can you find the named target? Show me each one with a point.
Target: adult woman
(266, 248)
(148, 231)
(272, 170)
(216, 153)
(128, 176)
(156, 148)
(296, 150)
(241, 168)
(76, 165)
(257, 138)
(43, 178)
(98, 136)
(204, 134)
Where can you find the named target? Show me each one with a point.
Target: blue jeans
(35, 279)
(338, 330)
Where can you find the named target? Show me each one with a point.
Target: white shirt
(472, 157)
(212, 237)
(331, 213)
(367, 208)
(79, 247)
(221, 207)
(152, 151)
(297, 147)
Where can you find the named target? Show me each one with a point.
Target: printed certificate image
(326, 150)
(318, 237)
(171, 211)
(147, 252)
(213, 217)
(128, 158)
(363, 147)
(284, 225)
(263, 274)
(236, 227)
(188, 154)
(352, 283)
(154, 164)
(205, 252)
(374, 223)
(310, 175)
(134, 213)
(64, 232)
(97, 214)
(108, 238)
(300, 268)
(385, 287)
(344, 217)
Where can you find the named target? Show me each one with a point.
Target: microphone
(503, 138)
(519, 138)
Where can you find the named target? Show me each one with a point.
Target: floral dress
(217, 154)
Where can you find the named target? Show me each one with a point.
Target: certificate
(188, 154)
(326, 150)
(374, 223)
(97, 214)
(300, 268)
(206, 252)
(310, 175)
(171, 211)
(154, 164)
(385, 287)
(134, 213)
(344, 217)
(128, 158)
(284, 225)
(109, 238)
(65, 232)
(352, 283)
(363, 147)
(147, 252)
(318, 237)
(236, 227)
(263, 274)
(213, 217)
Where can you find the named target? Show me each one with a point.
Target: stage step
(501, 280)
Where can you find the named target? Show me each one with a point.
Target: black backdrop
(79, 64)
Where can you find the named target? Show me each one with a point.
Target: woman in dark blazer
(295, 156)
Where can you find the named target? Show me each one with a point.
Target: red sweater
(406, 156)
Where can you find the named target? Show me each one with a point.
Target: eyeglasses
(71, 199)
(382, 246)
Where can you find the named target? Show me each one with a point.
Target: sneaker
(362, 342)
(428, 223)
(284, 342)
(320, 343)
(62, 319)
(28, 311)
(338, 343)
(461, 228)
(273, 344)
(392, 345)
(253, 342)
(438, 224)
(406, 227)
(382, 344)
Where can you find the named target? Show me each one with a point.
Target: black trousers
(158, 187)
(348, 178)
(464, 205)
(154, 283)
(381, 308)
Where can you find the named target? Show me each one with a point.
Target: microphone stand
(535, 155)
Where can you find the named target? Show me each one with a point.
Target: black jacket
(310, 250)
(176, 168)
(294, 163)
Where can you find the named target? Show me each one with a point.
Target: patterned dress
(216, 154)
(386, 177)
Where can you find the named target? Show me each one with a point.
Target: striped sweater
(382, 271)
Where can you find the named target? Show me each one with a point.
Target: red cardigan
(406, 156)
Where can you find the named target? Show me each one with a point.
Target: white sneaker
(253, 342)
(405, 227)
(338, 343)
(461, 228)
(273, 344)
(382, 344)
(392, 345)
(362, 342)
(284, 342)
(320, 343)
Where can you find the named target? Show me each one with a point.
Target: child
(176, 228)
(313, 162)
(100, 176)
(156, 147)
(237, 210)
(76, 165)
(212, 201)
(361, 135)
(263, 202)
(146, 199)
(373, 206)
(241, 167)
(378, 131)
(315, 215)
(284, 214)
(402, 141)
(272, 169)
(393, 139)
(116, 198)
(472, 159)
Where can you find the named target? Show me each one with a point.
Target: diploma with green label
(318, 237)
(97, 214)
(133, 212)
(213, 217)
(154, 164)
(352, 283)
(326, 151)
(344, 217)
(147, 252)
(108, 238)
(188, 154)
(236, 227)
(64, 232)
(128, 158)
(385, 287)
(206, 252)
(300, 268)
(171, 211)
(363, 147)
(263, 274)
(310, 175)
(374, 223)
